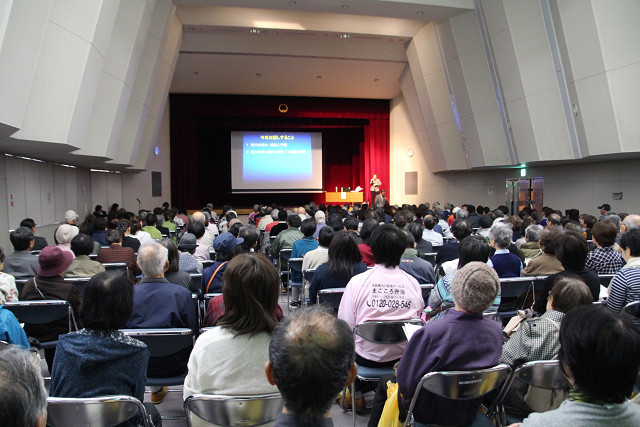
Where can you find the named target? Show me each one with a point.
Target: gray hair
(631, 222)
(152, 258)
(23, 397)
(274, 214)
(532, 233)
(614, 219)
(462, 214)
(198, 216)
(501, 235)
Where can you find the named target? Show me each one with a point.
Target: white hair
(152, 258)
(23, 397)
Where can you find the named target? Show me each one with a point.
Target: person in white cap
(320, 222)
(71, 217)
(64, 234)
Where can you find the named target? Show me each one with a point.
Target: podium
(338, 197)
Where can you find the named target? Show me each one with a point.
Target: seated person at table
(600, 355)
(99, 360)
(537, 338)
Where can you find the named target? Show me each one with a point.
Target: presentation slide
(276, 162)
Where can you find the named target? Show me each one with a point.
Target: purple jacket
(458, 341)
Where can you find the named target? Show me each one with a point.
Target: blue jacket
(10, 329)
(301, 247)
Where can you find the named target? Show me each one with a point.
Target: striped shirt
(625, 286)
(604, 260)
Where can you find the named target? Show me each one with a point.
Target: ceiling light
(254, 31)
(258, 75)
(344, 36)
(345, 6)
(419, 12)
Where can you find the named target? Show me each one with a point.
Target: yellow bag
(389, 417)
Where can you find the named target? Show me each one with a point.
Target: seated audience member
(24, 398)
(49, 284)
(150, 227)
(98, 212)
(546, 262)
(460, 228)
(298, 250)
(588, 221)
(38, 242)
(234, 227)
(157, 303)
(429, 234)
(227, 246)
(602, 380)
(484, 226)
(313, 345)
(71, 217)
(99, 360)
(21, 263)
(537, 338)
(281, 225)
(416, 231)
(461, 340)
(313, 259)
(116, 253)
(625, 285)
(82, 265)
(173, 274)
(127, 241)
(571, 250)
(531, 247)
(274, 216)
(345, 261)
(7, 282)
(285, 239)
(412, 264)
(230, 358)
(99, 231)
(10, 329)
(504, 262)
(320, 223)
(266, 219)
(64, 235)
(209, 235)
(365, 233)
(201, 252)
(187, 246)
(362, 300)
(138, 232)
(250, 235)
(604, 259)
(335, 221)
(168, 221)
(472, 248)
(352, 224)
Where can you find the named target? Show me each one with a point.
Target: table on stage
(334, 197)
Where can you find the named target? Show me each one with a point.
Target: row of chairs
(113, 410)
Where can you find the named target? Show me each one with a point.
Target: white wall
(583, 186)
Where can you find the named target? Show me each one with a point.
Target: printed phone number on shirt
(390, 303)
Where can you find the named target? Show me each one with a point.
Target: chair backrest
(426, 289)
(605, 279)
(40, 312)
(283, 259)
(118, 267)
(20, 286)
(207, 263)
(162, 341)
(538, 283)
(632, 309)
(196, 281)
(331, 297)
(79, 283)
(431, 257)
(94, 411)
(492, 315)
(514, 286)
(295, 264)
(233, 410)
(385, 331)
(308, 274)
(461, 385)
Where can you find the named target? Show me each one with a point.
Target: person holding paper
(375, 184)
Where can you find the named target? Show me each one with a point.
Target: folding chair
(426, 291)
(207, 263)
(295, 264)
(104, 411)
(283, 266)
(605, 279)
(633, 310)
(331, 297)
(79, 283)
(205, 304)
(20, 286)
(460, 385)
(384, 332)
(431, 257)
(163, 342)
(196, 282)
(545, 374)
(118, 267)
(41, 312)
(512, 287)
(538, 283)
(219, 410)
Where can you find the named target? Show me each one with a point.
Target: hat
(475, 287)
(188, 241)
(319, 216)
(53, 261)
(233, 221)
(65, 233)
(605, 207)
(70, 216)
(226, 242)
